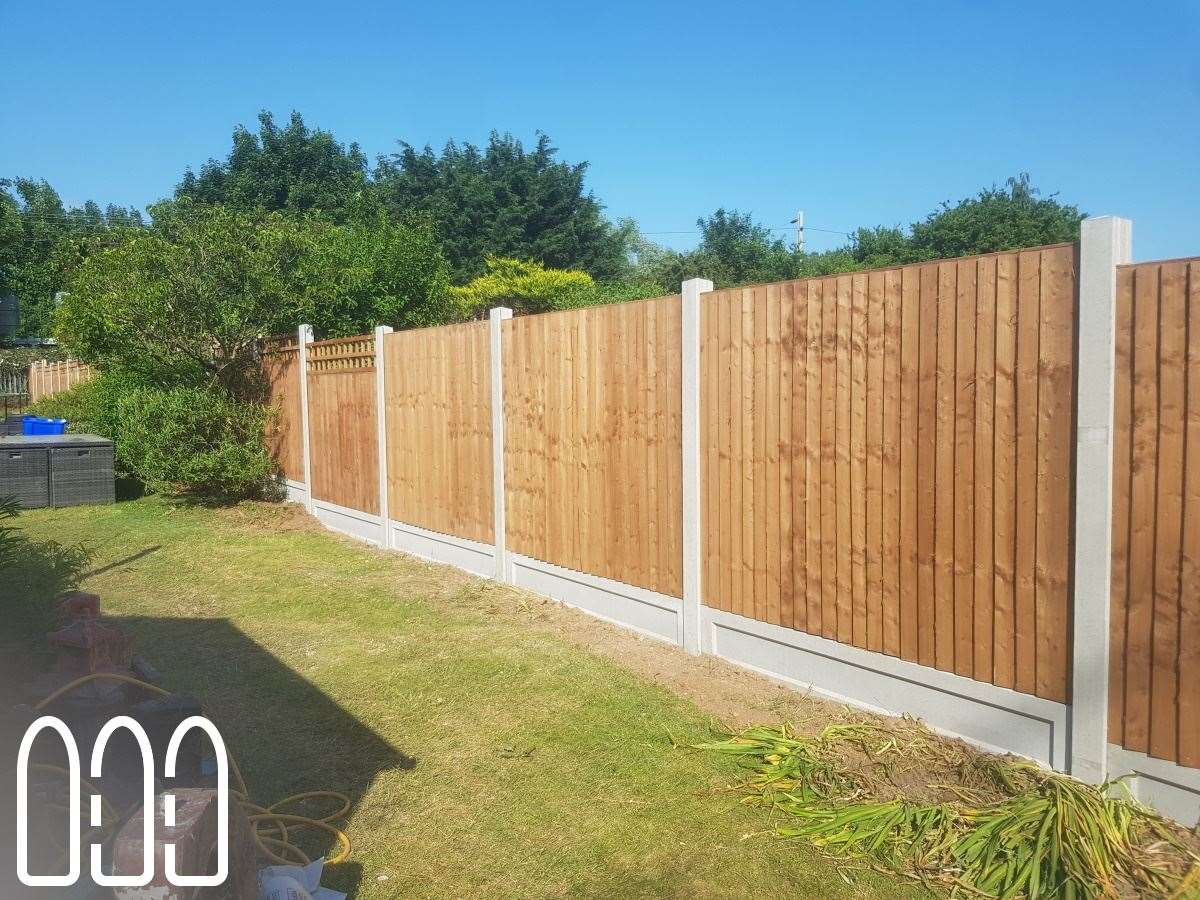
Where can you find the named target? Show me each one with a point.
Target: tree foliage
(505, 201)
(34, 224)
(295, 169)
(734, 250)
(525, 287)
(185, 303)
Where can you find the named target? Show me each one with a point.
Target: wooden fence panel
(919, 420)
(593, 435)
(439, 429)
(285, 439)
(341, 417)
(1155, 643)
(49, 378)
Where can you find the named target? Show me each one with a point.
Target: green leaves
(1045, 836)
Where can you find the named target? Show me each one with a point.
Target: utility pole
(799, 223)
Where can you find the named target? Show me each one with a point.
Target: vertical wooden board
(1056, 403)
(874, 461)
(944, 481)
(910, 367)
(858, 460)
(671, 364)
(708, 402)
(1139, 635)
(761, 458)
(927, 465)
(964, 470)
(1028, 352)
(1172, 409)
(890, 540)
(598, 422)
(728, 424)
(842, 450)
(783, 492)
(1122, 475)
(737, 512)
(792, 490)
(771, 403)
(985, 415)
(642, 559)
(829, 497)
(1004, 494)
(749, 451)
(814, 442)
(1189, 621)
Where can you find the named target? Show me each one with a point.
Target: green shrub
(180, 441)
(195, 441)
(90, 407)
(526, 287)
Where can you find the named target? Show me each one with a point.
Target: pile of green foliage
(1009, 828)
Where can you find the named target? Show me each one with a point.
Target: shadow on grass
(286, 735)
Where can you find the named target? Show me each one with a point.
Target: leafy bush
(527, 287)
(185, 440)
(90, 407)
(195, 441)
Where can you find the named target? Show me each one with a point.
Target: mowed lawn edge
(485, 754)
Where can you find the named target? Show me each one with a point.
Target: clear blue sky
(861, 113)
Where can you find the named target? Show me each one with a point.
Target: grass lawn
(486, 754)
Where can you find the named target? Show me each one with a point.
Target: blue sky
(861, 113)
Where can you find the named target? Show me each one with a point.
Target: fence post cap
(500, 312)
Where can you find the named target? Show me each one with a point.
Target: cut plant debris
(997, 826)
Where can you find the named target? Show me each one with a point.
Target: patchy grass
(486, 754)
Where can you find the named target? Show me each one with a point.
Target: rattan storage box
(57, 470)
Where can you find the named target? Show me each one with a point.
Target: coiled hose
(270, 826)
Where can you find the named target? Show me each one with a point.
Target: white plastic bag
(295, 883)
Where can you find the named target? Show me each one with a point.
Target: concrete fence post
(495, 351)
(1104, 243)
(304, 336)
(385, 536)
(689, 624)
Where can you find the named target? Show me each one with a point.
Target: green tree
(34, 222)
(184, 303)
(996, 219)
(295, 169)
(505, 201)
(377, 272)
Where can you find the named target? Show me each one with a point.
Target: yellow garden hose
(270, 825)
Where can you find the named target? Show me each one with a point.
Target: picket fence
(966, 490)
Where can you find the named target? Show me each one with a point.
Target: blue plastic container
(38, 425)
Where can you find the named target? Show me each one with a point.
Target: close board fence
(49, 378)
(864, 483)
(1155, 658)
(887, 460)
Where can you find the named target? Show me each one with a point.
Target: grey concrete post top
(697, 286)
(498, 313)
